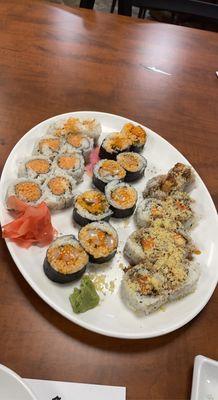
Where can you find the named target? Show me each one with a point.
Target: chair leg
(142, 12)
(87, 3)
(113, 5)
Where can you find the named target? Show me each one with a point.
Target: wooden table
(55, 60)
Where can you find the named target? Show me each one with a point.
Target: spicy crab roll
(106, 171)
(136, 134)
(72, 164)
(122, 198)
(65, 260)
(134, 165)
(37, 167)
(114, 144)
(27, 190)
(91, 206)
(86, 126)
(100, 241)
(79, 142)
(58, 191)
(48, 146)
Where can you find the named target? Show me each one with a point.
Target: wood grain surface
(54, 60)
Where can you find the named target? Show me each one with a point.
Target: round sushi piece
(147, 211)
(156, 243)
(122, 198)
(58, 191)
(91, 206)
(136, 134)
(187, 286)
(100, 241)
(179, 178)
(106, 171)
(72, 164)
(48, 146)
(134, 165)
(27, 190)
(114, 144)
(37, 167)
(79, 142)
(86, 126)
(65, 260)
(142, 290)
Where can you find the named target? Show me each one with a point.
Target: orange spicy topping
(67, 162)
(75, 139)
(53, 144)
(113, 168)
(148, 243)
(39, 166)
(124, 196)
(58, 185)
(66, 257)
(129, 161)
(93, 201)
(28, 191)
(135, 133)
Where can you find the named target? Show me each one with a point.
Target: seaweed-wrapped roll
(136, 134)
(66, 260)
(106, 171)
(100, 241)
(134, 165)
(91, 206)
(114, 144)
(122, 198)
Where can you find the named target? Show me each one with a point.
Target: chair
(91, 3)
(193, 7)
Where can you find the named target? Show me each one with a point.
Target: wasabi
(85, 298)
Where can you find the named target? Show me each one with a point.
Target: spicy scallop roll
(106, 171)
(134, 165)
(114, 144)
(86, 126)
(79, 142)
(27, 190)
(91, 206)
(48, 146)
(122, 198)
(58, 191)
(35, 167)
(70, 163)
(65, 260)
(136, 134)
(100, 241)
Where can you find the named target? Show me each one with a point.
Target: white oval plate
(12, 386)
(111, 317)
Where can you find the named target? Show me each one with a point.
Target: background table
(58, 60)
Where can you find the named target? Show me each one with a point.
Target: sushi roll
(142, 290)
(100, 241)
(27, 190)
(79, 142)
(72, 164)
(179, 178)
(91, 206)
(106, 171)
(58, 191)
(114, 144)
(65, 260)
(134, 165)
(147, 211)
(37, 167)
(136, 134)
(86, 126)
(48, 146)
(122, 198)
(187, 286)
(156, 242)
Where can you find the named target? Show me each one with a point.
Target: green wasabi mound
(85, 298)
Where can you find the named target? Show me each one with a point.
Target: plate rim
(72, 318)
